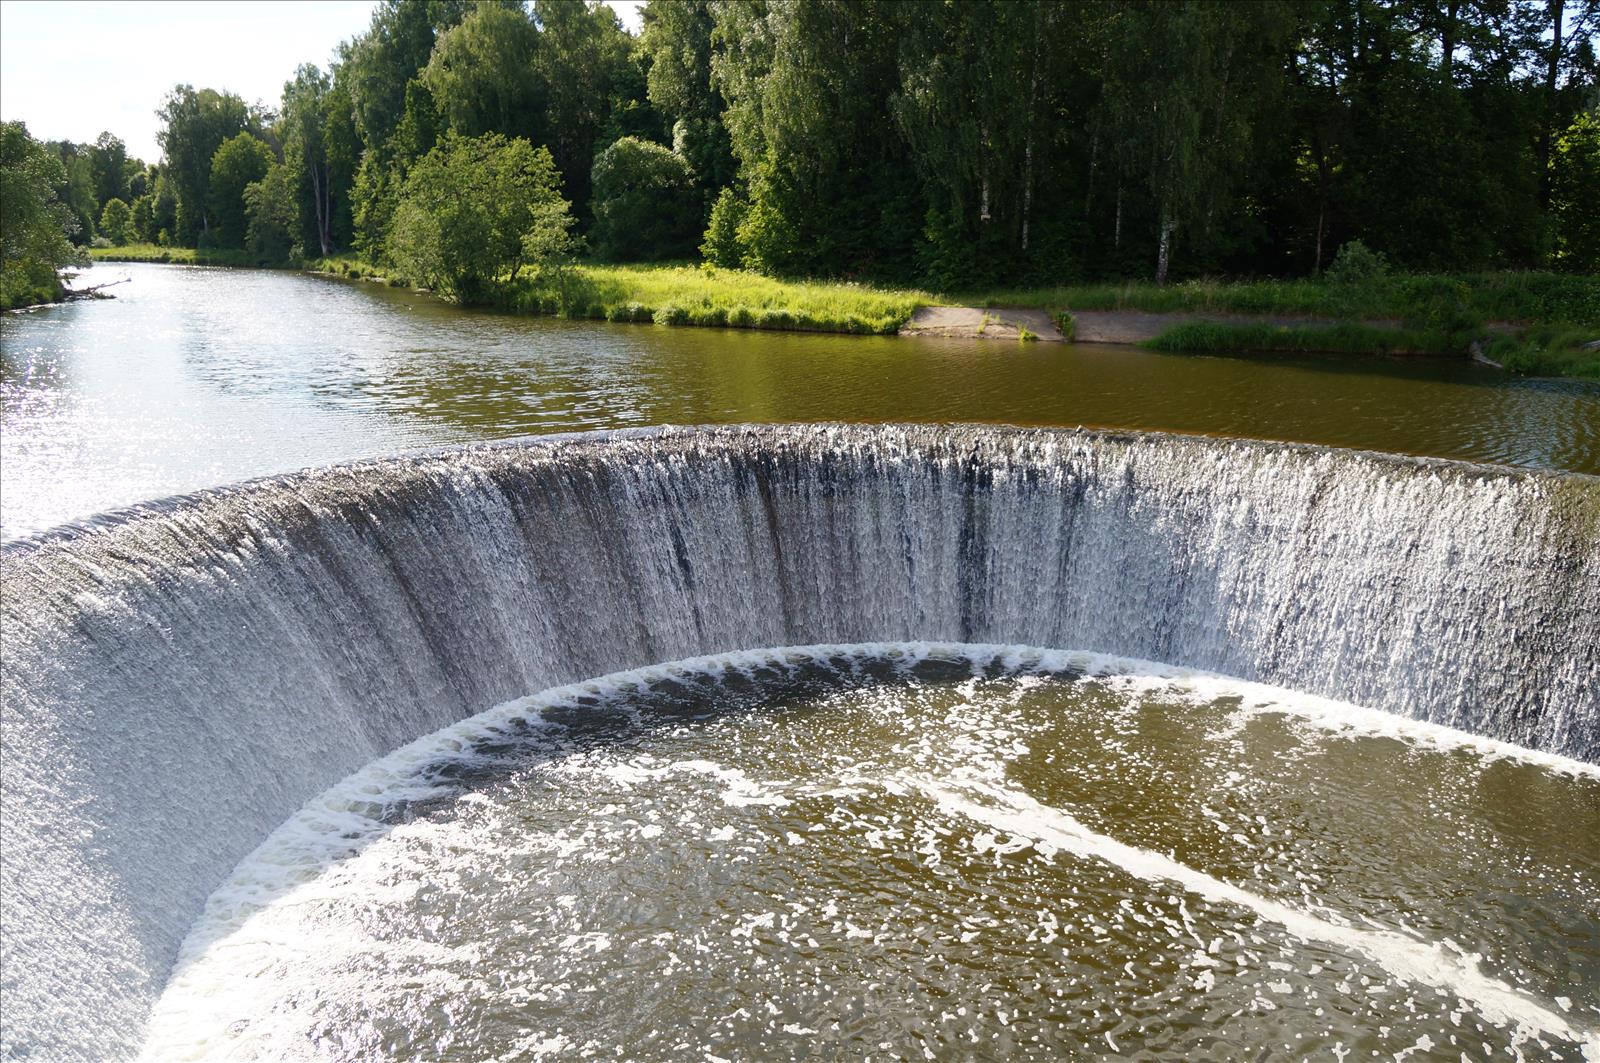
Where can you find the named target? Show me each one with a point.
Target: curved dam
(181, 677)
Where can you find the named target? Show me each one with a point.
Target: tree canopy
(948, 142)
(34, 221)
(475, 209)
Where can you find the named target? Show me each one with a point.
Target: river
(197, 376)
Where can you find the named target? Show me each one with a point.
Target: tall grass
(685, 295)
(1208, 337)
(1419, 300)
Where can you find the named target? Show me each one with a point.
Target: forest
(953, 145)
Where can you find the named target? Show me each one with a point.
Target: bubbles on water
(914, 851)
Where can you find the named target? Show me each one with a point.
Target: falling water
(181, 677)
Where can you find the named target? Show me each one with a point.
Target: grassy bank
(690, 295)
(1543, 351)
(1421, 301)
(686, 295)
(1552, 314)
(184, 256)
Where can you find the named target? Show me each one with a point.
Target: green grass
(1207, 337)
(688, 295)
(1540, 351)
(186, 256)
(1549, 351)
(1423, 301)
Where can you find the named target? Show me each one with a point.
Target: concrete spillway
(181, 677)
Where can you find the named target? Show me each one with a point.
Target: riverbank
(1532, 323)
(187, 256)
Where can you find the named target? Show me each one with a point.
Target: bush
(1357, 262)
(644, 202)
(116, 222)
(722, 246)
(475, 209)
(670, 314)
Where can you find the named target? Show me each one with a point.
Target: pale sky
(71, 68)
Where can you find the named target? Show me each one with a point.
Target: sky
(72, 68)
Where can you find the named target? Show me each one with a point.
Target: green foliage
(722, 246)
(1548, 351)
(715, 298)
(471, 212)
(116, 222)
(1356, 263)
(239, 161)
(482, 74)
(1519, 297)
(141, 220)
(1206, 337)
(1575, 195)
(194, 126)
(272, 220)
(33, 220)
(644, 207)
(110, 169)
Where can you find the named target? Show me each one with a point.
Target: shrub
(475, 209)
(1357, 262)
(670, 314)
(644, 202)
(116, 222)
(1067, 324)
(722, 245)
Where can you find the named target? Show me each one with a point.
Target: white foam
(1423, 963)
(341, 822)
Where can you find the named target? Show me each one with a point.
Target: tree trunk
(1552, 69)
(325, 219)
(1447, 40)
(1027, 148)
(1116, 232)
(1316, 267)
(1164, 251)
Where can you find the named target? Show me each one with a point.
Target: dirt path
(970, 322)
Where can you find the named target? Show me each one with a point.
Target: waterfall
(181, 676)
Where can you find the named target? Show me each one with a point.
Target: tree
(808, 88)
(305, 149)
(376, 67)
(583, 55)
(116, 222)
(240, 161)
(483, 75)
(34, 223)
(467, 212)
(77, 188)
(194, 125)
(109, 166)
(677, 41)
(1172, 88)
(272, 220)
(1575, 189)
(141, 222)
(644, 202)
